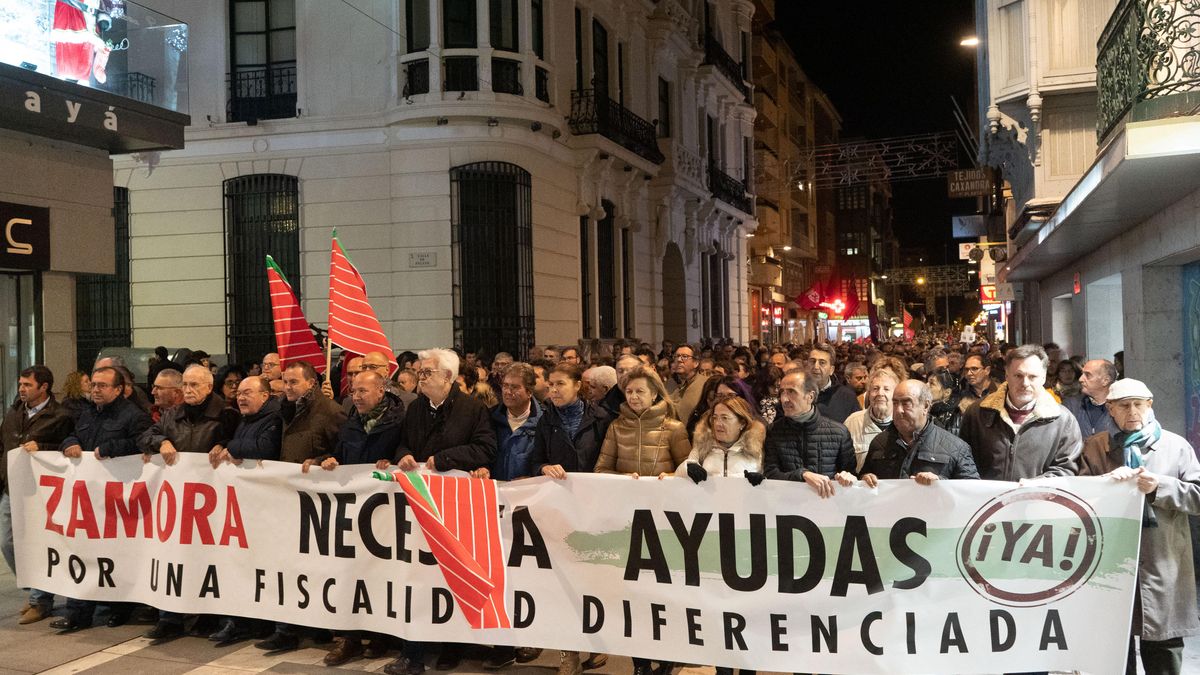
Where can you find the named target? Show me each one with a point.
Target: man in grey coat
(1167, 472)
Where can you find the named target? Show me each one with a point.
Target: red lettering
(82, 514)
(195, 517)
(115, 507)
(234, 529)
(164, 529)
(55, 483)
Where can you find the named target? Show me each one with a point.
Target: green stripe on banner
(418, 482)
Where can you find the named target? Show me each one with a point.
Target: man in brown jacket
(310, 420)
(36, 422)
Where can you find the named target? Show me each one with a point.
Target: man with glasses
(979, 383)
(571, 355)
(377, 362)
(686, 383)
(167, 392)
(444, 429)
(110, 427)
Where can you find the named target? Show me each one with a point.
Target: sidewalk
(37, 649)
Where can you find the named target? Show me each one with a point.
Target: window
(492, 240)
(416, 21)
(718, 280)
(599, 58)
(621, 73)
(606, 283)
(102, 300)
(627, 280)
(504, 20)
(262, 84)
(578, 49)
(585, 274)
(458, 24)
(262, 217)
(537, 20)
(664, 108)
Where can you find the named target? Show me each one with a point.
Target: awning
(1148, 166)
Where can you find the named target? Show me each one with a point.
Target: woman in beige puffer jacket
(648, 438)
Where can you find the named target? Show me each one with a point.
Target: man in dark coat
(1089, 407)
(444, 430)
(804, 445)
(109, 428)
(310, 420)
(260, 429)
(36, 422)
(374, 429)
(200, 424)
(835, 400)
(913, 446)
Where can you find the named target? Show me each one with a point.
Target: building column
(435, 46)
(483, 40)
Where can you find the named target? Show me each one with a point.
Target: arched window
(492, 236)
(262, 217)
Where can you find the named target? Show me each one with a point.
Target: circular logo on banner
(1030, 546)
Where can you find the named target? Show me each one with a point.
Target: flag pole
(328, 357)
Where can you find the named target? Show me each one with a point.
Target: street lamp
(920, 281)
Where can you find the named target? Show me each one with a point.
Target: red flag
(908, 332)
(293, 338)
(352, 322)
(460, 520)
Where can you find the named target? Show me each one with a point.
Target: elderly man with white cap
(1168, 473)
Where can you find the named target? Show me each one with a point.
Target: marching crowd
(828, 415)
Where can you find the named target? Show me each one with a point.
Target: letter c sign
(26, 244)
(14, 246)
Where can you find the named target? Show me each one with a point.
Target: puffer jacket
(819, 445)
(514, 448)
(1047, 444)
(745, 454)
(192, 428)
(646, 444)
(935, 451)
(114, 429)
(257, 436)
(552, 445)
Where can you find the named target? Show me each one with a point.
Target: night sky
(890, 68)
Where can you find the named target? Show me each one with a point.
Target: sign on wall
(26, 237)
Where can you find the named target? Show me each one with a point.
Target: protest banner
(960, 577)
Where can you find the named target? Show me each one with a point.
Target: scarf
(572, 416)
(1136, 442)
(373, 415)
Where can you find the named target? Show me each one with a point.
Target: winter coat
(968, 397)
(863, 429)
(1092, 418)
(552, 445)
(458, 434)
(48, 427)
(837, 402)
(1047, 444)
(647, 444)
(687, 396)
(611, 403)
(114, 429)
(310, 427)
(192, 428)
(514, 448)
(935, 450)
(745, 454)
(257, 436)
(356, 445)
(947, 415)
(1165, 606)
(819, 445)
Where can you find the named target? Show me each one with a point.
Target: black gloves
(696, 472)
(754, 477)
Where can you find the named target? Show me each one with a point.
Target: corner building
(504, 173)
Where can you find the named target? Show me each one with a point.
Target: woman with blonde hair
(728, 441)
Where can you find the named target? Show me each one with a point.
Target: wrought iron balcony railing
(416, 78)
(541, 84)
(715, 55)
(261, 94)
(729, 190)
(460, 73)
(1148, 62)
(593, 112)
(506, 77)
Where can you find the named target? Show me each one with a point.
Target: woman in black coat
(571, 431)
(945, 411)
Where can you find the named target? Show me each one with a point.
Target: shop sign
(26, 243)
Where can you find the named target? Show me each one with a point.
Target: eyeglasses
(161, 388)
(683, 357)
(374, 366)
(425, 374)
(972, 369)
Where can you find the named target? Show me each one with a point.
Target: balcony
(593, 112)
(729, 190)
(716, 56)
(541, 84)
(261, 94)
(461, 73)
(416, 78)
(506, 77)
(1147, 66)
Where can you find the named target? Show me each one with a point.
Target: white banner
(961, 577)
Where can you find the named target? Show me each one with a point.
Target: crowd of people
(827, 415)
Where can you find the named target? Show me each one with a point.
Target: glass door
(18, 330)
